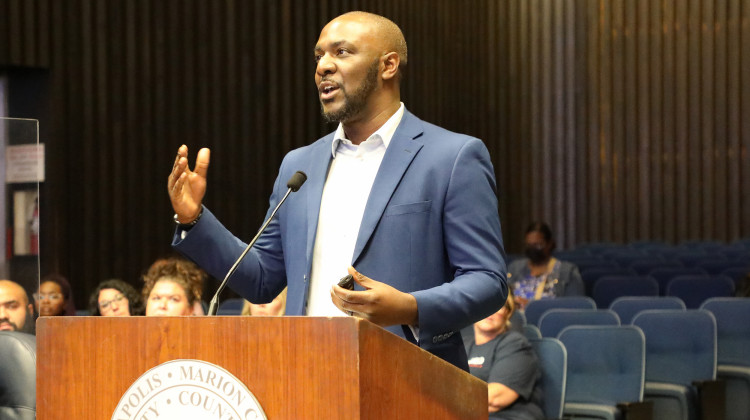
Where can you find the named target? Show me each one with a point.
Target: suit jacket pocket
(420, 207)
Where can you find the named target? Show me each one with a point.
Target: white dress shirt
(342, 205)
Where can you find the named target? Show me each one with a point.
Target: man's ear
(391, 62)
(30, 310)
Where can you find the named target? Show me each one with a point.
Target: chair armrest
(637, 410)
(711, 398)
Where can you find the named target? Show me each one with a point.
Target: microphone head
(296, 181)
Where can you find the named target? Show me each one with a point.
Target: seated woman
(507, 362)
(54, 297)
(275, 308)
(115, 298)
(172, 287)
(540, 275)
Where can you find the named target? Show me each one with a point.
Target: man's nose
(325, 65)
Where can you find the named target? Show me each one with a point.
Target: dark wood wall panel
(614, 120)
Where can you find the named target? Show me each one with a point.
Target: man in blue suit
(412, 206)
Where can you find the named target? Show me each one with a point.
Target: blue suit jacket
(430, 228)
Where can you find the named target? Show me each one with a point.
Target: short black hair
(135, 302)
(542, 228)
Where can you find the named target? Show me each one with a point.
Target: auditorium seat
(231, 306)
(694, 290)
(716, 267)
(643, 267)
(553, 362)
(664, 275)
(733, 352)
(680, 353)
(628, 307)
(605, 368)
(531, 331)
(536, 308)
(590, 276)
(555, 320)
(609, 288)
(17, 376)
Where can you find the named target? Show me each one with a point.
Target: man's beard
(355, 103)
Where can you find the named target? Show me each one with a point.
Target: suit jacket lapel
(402, 149)
(316, 179)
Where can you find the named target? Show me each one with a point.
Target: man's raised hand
(186, 188)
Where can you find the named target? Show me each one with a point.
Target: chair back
(531, 332)
(732, 328)
(592, 275)
(231, 306)
(553, 362)
(556, 320)
(665, 274)
(609, 288)
(17, 376)
(717, 267)
(536, 308)
(629, 306)
(643, 267)
(694, 290)
(680, 345)
(605, 364)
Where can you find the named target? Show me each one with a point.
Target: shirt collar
(384, 133)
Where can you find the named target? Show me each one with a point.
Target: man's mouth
(6, 327)
(327, 90)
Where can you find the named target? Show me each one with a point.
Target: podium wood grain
(297, 367)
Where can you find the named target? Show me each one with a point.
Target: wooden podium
(296, 367)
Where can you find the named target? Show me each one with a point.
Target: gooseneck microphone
(295, 182)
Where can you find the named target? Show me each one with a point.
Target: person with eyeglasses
(54, 297)
(115, 297)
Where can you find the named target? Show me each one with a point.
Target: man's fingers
(202, 161)
(360, 278)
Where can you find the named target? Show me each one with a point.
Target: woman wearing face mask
(540, 275)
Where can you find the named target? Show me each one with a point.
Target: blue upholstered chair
(609, 288)
(17, 376)
(680, 351)
(664, 275)
(716, 267)
(231, 307)
(643, 267)
(555, 320)
(553, 362)
(591, 276)
(628, 307)
(733, 350)
(605, 368)
(694, 290)
(531, 332)
(536, 308)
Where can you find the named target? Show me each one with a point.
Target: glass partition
(23, 169)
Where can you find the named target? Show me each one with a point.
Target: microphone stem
(213, 307)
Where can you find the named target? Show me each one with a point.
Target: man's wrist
(189, 224)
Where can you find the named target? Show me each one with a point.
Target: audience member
(275, 308)
(540, 275)
(54, 297)
(115, 298)
(16, 313)
(507, 362)
(172, 287)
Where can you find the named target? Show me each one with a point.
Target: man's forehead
(346, 30)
